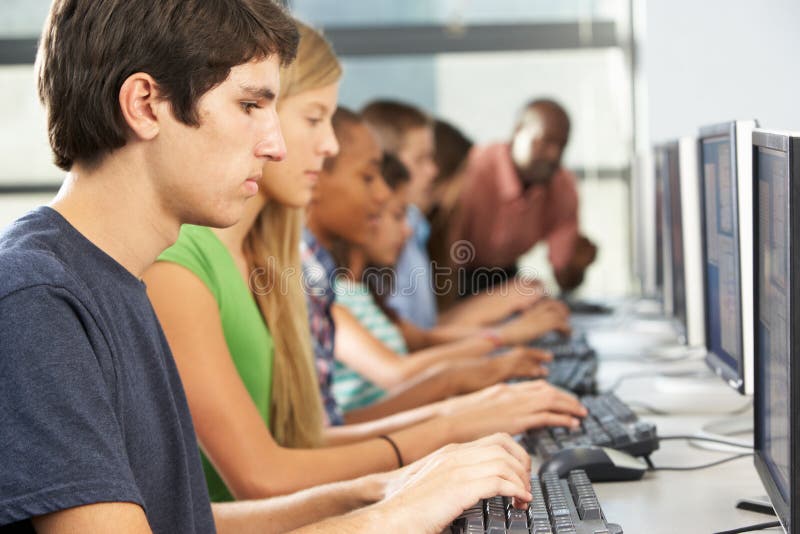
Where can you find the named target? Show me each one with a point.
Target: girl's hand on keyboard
(515, 408)
(546, 316)
(519, 362)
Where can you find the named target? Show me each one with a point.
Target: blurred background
(629, 72)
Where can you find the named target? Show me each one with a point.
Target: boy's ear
(141, 105)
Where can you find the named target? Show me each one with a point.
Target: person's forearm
(281, 514)
(285, 470)
(411, 367)
(349, 433)
(370, 519)
(418, 339)
(453, 332)
(436, 384)
(460, 349)
(417, 440)
(477, 311)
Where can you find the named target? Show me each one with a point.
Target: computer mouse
(600, 463)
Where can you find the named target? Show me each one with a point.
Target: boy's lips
(251, 184)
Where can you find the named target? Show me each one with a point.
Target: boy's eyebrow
(263, 93)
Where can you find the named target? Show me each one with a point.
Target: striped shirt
(351, 389)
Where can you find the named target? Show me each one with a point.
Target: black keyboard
(560, 506)
(610, 423)
(585, 307)
(578, 375)
(574, 346)
(574, 365)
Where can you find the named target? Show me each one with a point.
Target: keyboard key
(495, 516)
(517, 521)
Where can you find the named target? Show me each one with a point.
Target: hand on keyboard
(519, 362)
(521, 293)
(611, 423)
(559, 507)
(514, 408)
(546, 316)
(440, 486)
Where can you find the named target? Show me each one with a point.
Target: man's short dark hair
(89, 48)
(394, 173)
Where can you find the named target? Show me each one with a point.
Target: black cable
(751, 528)
(702, 438)
(696, 467)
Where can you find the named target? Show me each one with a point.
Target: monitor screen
(721, 252)
(675, 229)
(773, 414)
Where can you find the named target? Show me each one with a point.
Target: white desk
(701, 501)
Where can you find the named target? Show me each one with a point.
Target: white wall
(483, 93)
(25, 155)
(708, 61)
(13, 207)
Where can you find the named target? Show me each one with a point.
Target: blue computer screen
(773, 312)
(723, 296)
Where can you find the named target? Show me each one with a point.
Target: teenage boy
(161, 113)
(407, 133)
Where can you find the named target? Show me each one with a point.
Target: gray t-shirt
(91, 407)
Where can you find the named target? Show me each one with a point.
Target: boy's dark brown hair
(89, 48)
(452, 150)
(392, 120)
(342, 121)
(394, 172)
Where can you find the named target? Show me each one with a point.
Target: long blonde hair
(273, 247)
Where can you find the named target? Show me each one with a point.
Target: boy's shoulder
(27, 255)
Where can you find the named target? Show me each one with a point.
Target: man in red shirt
(518, 194)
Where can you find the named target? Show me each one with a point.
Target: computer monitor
(658, 226)
(682, 265)
(692, 242)
(776, 169)
(674, 285)
(725, 167)
(643, 223)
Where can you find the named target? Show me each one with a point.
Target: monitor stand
(675, 352)
(760, 505)
(646, 307)
(691, 388)
(728, 429)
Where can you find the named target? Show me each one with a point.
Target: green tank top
(249, 341)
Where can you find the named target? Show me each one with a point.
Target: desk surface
(701, 501)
